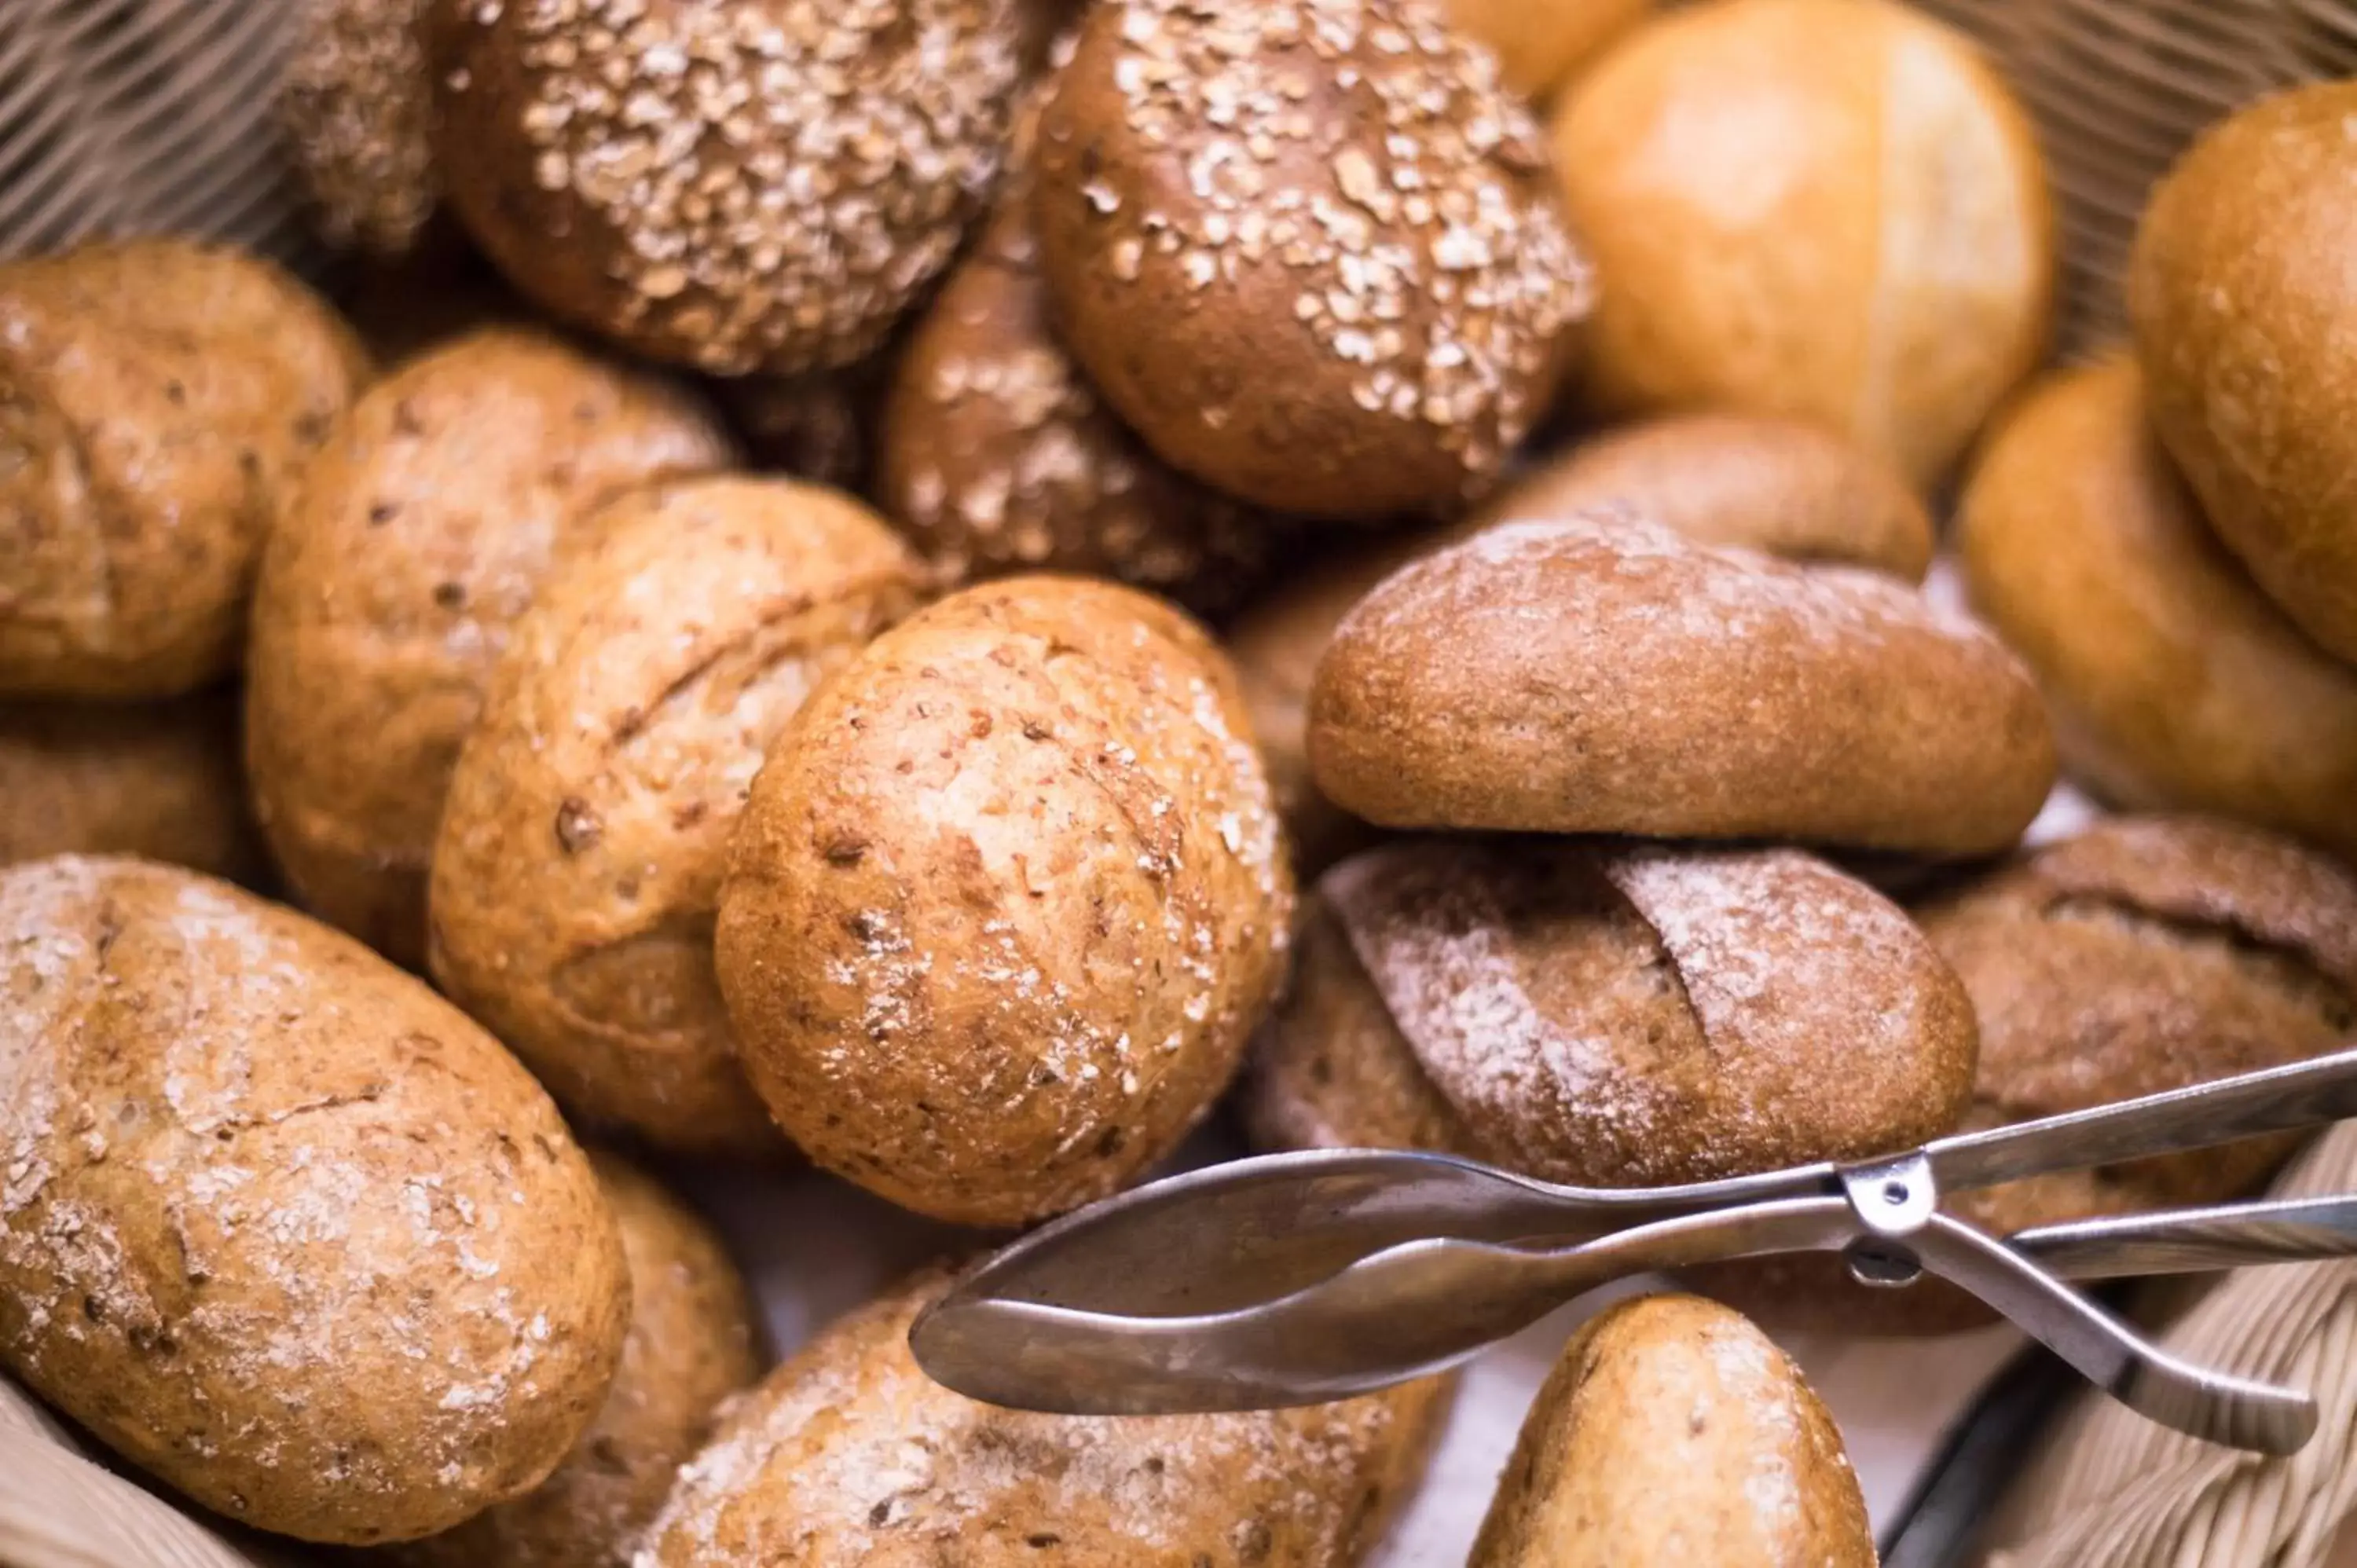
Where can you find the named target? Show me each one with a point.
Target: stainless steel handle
(2185, 1240)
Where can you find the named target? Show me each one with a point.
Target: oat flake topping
(781, 175)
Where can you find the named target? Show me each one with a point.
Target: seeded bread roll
(1312, 254)
(1781, 486)
(1832, 208)
(1614, 1017)
(1006, 901)
(692, 1344)
(1672, 1434)
(815, 1470)
(159, 781)
(1600, 674)
(155, 398)
(357, 107)
(736, 185)
(387, 592)
(283, 1226)
(586, 826)
(2174, 683)
(2241, 292)
(997, 456)
(1542, 45)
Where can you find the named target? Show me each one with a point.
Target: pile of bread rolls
(436, 755)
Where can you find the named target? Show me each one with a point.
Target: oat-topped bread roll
(283, 1226)
(1599, 673)
(586, 827)
(2174, 683)
(155, 397)
(997, 456)
(2242, 294)
(1006, 901)
(736, 185)
(387, 593)
(1310, 250)
(1672, 1433)
(1783, 486)
(693, 1341)
(159, 781)
(1832, 208)
(849, 1456)
(357, 107)
(1612, 1016)
(2146, 954)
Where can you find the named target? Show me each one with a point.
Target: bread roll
(155, 397)
(1613, 1017)
(357, 107)
(159, 781)
(849, 1456)
(1672, 1434)
(1832, 208)
(692, 1344)
(1310, 253)
(586, 826)
(1006, 901)
(387, 593)
(1600, 674)
(736, 185)
(2241, 292)
(1542, 45)
(2173, 682)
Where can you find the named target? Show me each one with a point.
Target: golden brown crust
(586, 830)
(736, 185)
(1542, 45)
(1006, 901)
(848, 1454)
(1624, 1018)
(1316, 264)
(693, 1342)
(282, 1226)
(1781, 486)
(388, 589)
(155, 398)
(2240, 289)
(997, 456)
(1672, 1433)
(157, 781)
(2173, 682)
(357, 107)
(1600, 674)
(1892, 280)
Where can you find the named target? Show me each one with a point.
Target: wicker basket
(151, 116)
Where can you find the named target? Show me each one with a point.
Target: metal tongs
(1297, 1279)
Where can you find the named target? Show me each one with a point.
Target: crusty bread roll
(1675, 1434)
(1599, 673)
(1825, 207)
(2242, 294)
(159, 781)
(2173, 682)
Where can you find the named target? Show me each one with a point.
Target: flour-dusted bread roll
(281, 1226)
(2174, 683)
(159, 781)
(736, 185)
(693, 1341)
(1613, 1017)
(1006, 901)
(1601, 674)
(849, 1456)
(2242, 295)
(579, 859)
(1832, 208)
(156, 399)
(1672, 1433)
(1310, 252)
(387, 591)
